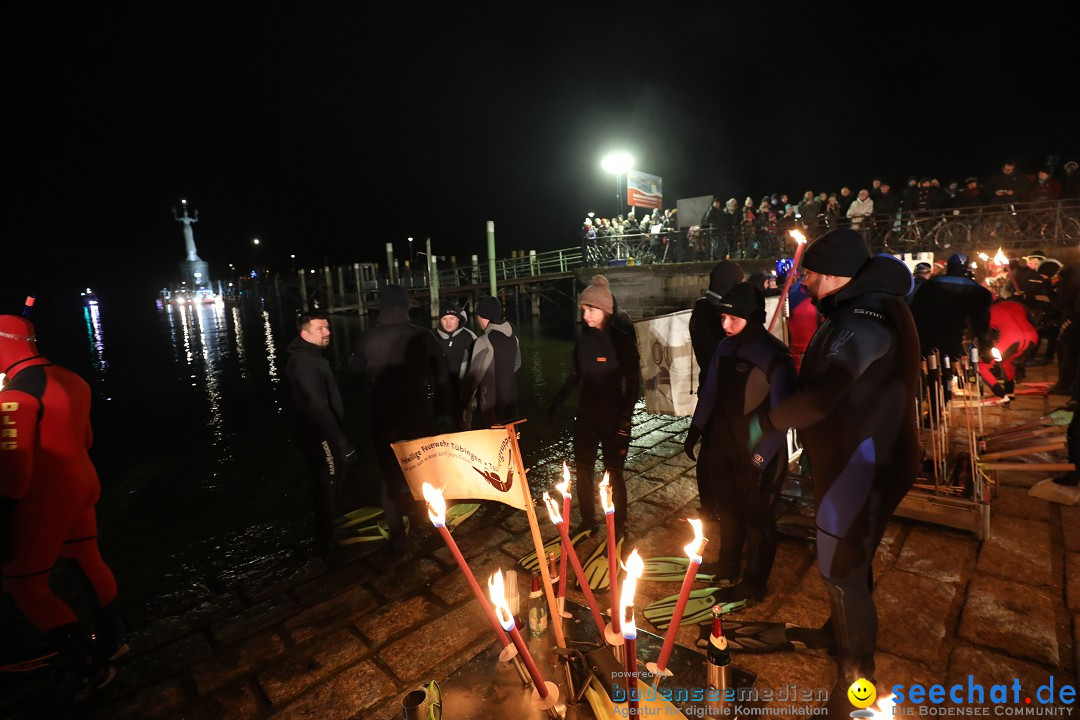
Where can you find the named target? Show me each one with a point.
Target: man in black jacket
(319, 415)
(404, 362)
(855, 410)
(490, 380)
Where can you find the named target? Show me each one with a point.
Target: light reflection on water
(92, 313)
(216, 467)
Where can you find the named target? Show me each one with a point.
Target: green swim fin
(360, 516)
(457, 514)
(597, 566)
(698, 608)
(369, 533)
(767, 637)
(552, 546)
(670, 569)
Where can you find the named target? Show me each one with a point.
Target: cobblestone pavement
(344, 636)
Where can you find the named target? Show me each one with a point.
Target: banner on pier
(474, 465)
(644, 190)
(668, 366)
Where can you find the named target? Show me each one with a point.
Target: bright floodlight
(617, 163)
(255, 241)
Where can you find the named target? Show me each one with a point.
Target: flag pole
(538, 542)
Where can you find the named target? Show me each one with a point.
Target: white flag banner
(474, 465)
(668, 366)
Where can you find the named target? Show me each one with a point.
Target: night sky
(328, 131)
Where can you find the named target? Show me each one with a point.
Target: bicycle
(942, 235)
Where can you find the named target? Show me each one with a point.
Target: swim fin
(698, 608)
(552, 546)
(767, 637)
(360, 516)
(457, 514)
(597, 566)
(670, 569)
(369, 533)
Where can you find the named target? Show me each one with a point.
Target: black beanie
(490, 309)
(744, 301)
(724, 276)
(394, 296)
(449, 307)
(840, 252)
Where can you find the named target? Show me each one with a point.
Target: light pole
(617, 163)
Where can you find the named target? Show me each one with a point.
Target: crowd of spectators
(752, 228)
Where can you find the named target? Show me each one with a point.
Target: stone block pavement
(345, 635)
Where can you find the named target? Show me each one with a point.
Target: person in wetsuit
(945, 307)
(457, 345)
(404, 363)
(606, 366)
(489, 383)
(750, 370)
(706, 332)
(319, 414)
(1012, 333)
(48, 492)
(855, 409)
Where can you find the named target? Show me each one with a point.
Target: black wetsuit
(944, 307)
(319, 415)
(605, 364)
(496, 357)
(856, 414)
(457, 349)
(404, 363)
(706, 332)
(749, 372)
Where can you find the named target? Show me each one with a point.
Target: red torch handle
(449, 540)
(566, 549)
(613, 573)
(631, 676)
(787, 285)
(676, 617)
(580, 574)
(530, 665)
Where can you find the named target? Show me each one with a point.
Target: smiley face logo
(862, 693)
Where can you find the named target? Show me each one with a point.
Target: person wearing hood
(606, 366)
(706, 332)
(319, 415)
(855, 409)
(404, 363)
(48, 493)
(750, 371)
(946, 307)
(489, 384)
(457, 344)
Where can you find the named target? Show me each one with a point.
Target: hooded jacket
(858, 381)
(944, 306)
(706, 330)
(404, 362)
(490, 378)
(314, 392)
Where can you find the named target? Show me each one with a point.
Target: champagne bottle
(538, 610)
(718, 656)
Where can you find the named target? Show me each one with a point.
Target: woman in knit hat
(605, 365)
(750, 370)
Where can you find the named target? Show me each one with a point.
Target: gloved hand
(693, 434)
(7, 525)
(755, 433)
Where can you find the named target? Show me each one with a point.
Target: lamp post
(617, 163)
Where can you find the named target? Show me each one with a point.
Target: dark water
(193, 434)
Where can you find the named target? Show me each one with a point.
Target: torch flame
(553, 509)
(798, 236)
(564, 486)
(634, 567)
(1000, 258)
(607, 497)
(697, 547)
(984, 257)
(498, 599)
(996, 354)
(436, 505)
